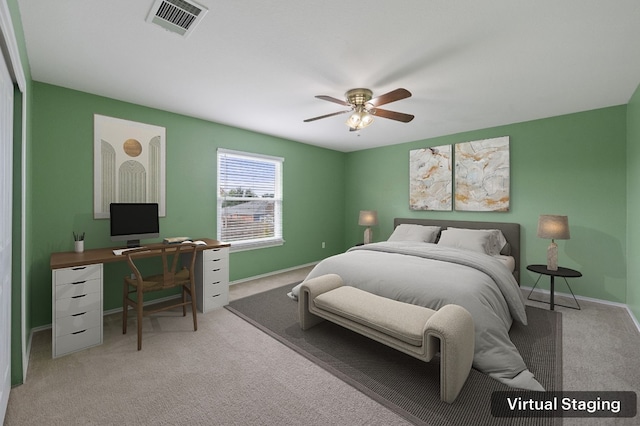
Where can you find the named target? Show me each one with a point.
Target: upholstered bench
(412, 329)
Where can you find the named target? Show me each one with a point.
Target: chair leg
(184, 301)
(125, 307)
(193, 307)
(139, 303)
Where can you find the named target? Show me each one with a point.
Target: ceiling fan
(363, 107)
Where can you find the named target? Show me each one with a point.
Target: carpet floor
(400, 382)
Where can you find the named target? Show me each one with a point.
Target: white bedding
(433, 276)
(508, 261)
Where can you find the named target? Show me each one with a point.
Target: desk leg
(552, 291)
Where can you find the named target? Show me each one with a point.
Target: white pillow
(463, 239)
(411, 232)
(497, 240)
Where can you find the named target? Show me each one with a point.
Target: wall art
(129, 164)
(482, 175)
(430, 178)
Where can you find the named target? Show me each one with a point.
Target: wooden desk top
(105, 255)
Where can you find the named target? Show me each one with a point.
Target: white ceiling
(257, 64)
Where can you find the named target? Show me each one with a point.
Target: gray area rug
(407, 386)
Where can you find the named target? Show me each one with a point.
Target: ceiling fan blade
(332, 99)
(394, 95)
(325, 116)
(393, 115)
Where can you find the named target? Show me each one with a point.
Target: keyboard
(120, 252)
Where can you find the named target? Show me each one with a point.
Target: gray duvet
(433, 276)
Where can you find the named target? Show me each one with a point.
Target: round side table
(561, 272)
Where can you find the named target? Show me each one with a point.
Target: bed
(432, 263)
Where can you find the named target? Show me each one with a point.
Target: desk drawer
(212, 275)
(80, 340)
(65, 291)
(213, 301)
(78, 274)
(78, 322)
(213, 255)
(215, 288)
(215, 293)
(77, 304)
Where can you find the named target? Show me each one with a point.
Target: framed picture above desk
(77, 290)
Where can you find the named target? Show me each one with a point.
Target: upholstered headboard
(511, 232)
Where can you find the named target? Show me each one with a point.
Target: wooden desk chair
(169, 278)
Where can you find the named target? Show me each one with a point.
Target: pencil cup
(79, 246)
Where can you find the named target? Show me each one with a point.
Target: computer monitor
(132, 222)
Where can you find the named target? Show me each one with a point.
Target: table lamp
(553, 227)
(368, 218)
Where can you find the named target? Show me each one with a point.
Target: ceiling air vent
(178, 16)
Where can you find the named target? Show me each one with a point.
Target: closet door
(6, 174)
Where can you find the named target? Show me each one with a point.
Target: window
(249, 200)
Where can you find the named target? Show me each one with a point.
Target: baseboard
(633, 317)
(591, 299)
(255, 277)
(27, 357)
(38, 329)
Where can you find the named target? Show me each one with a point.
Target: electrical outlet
(323, 245)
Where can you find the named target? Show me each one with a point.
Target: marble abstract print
(482, 175)
(430, 178)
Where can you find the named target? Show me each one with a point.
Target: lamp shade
(368, 218)
(553, 227)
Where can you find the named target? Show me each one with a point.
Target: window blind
(249, 200)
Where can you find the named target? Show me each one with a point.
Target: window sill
(252, 245)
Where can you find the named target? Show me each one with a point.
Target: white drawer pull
(78, 332)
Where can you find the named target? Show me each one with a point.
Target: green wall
(633, 203)
(62, 187)
(571, 165)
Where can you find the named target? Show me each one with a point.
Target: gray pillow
(497, 243)
(418, 233)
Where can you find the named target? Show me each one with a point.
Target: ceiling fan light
(353, 120)
(359, 119)
(366, 119)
